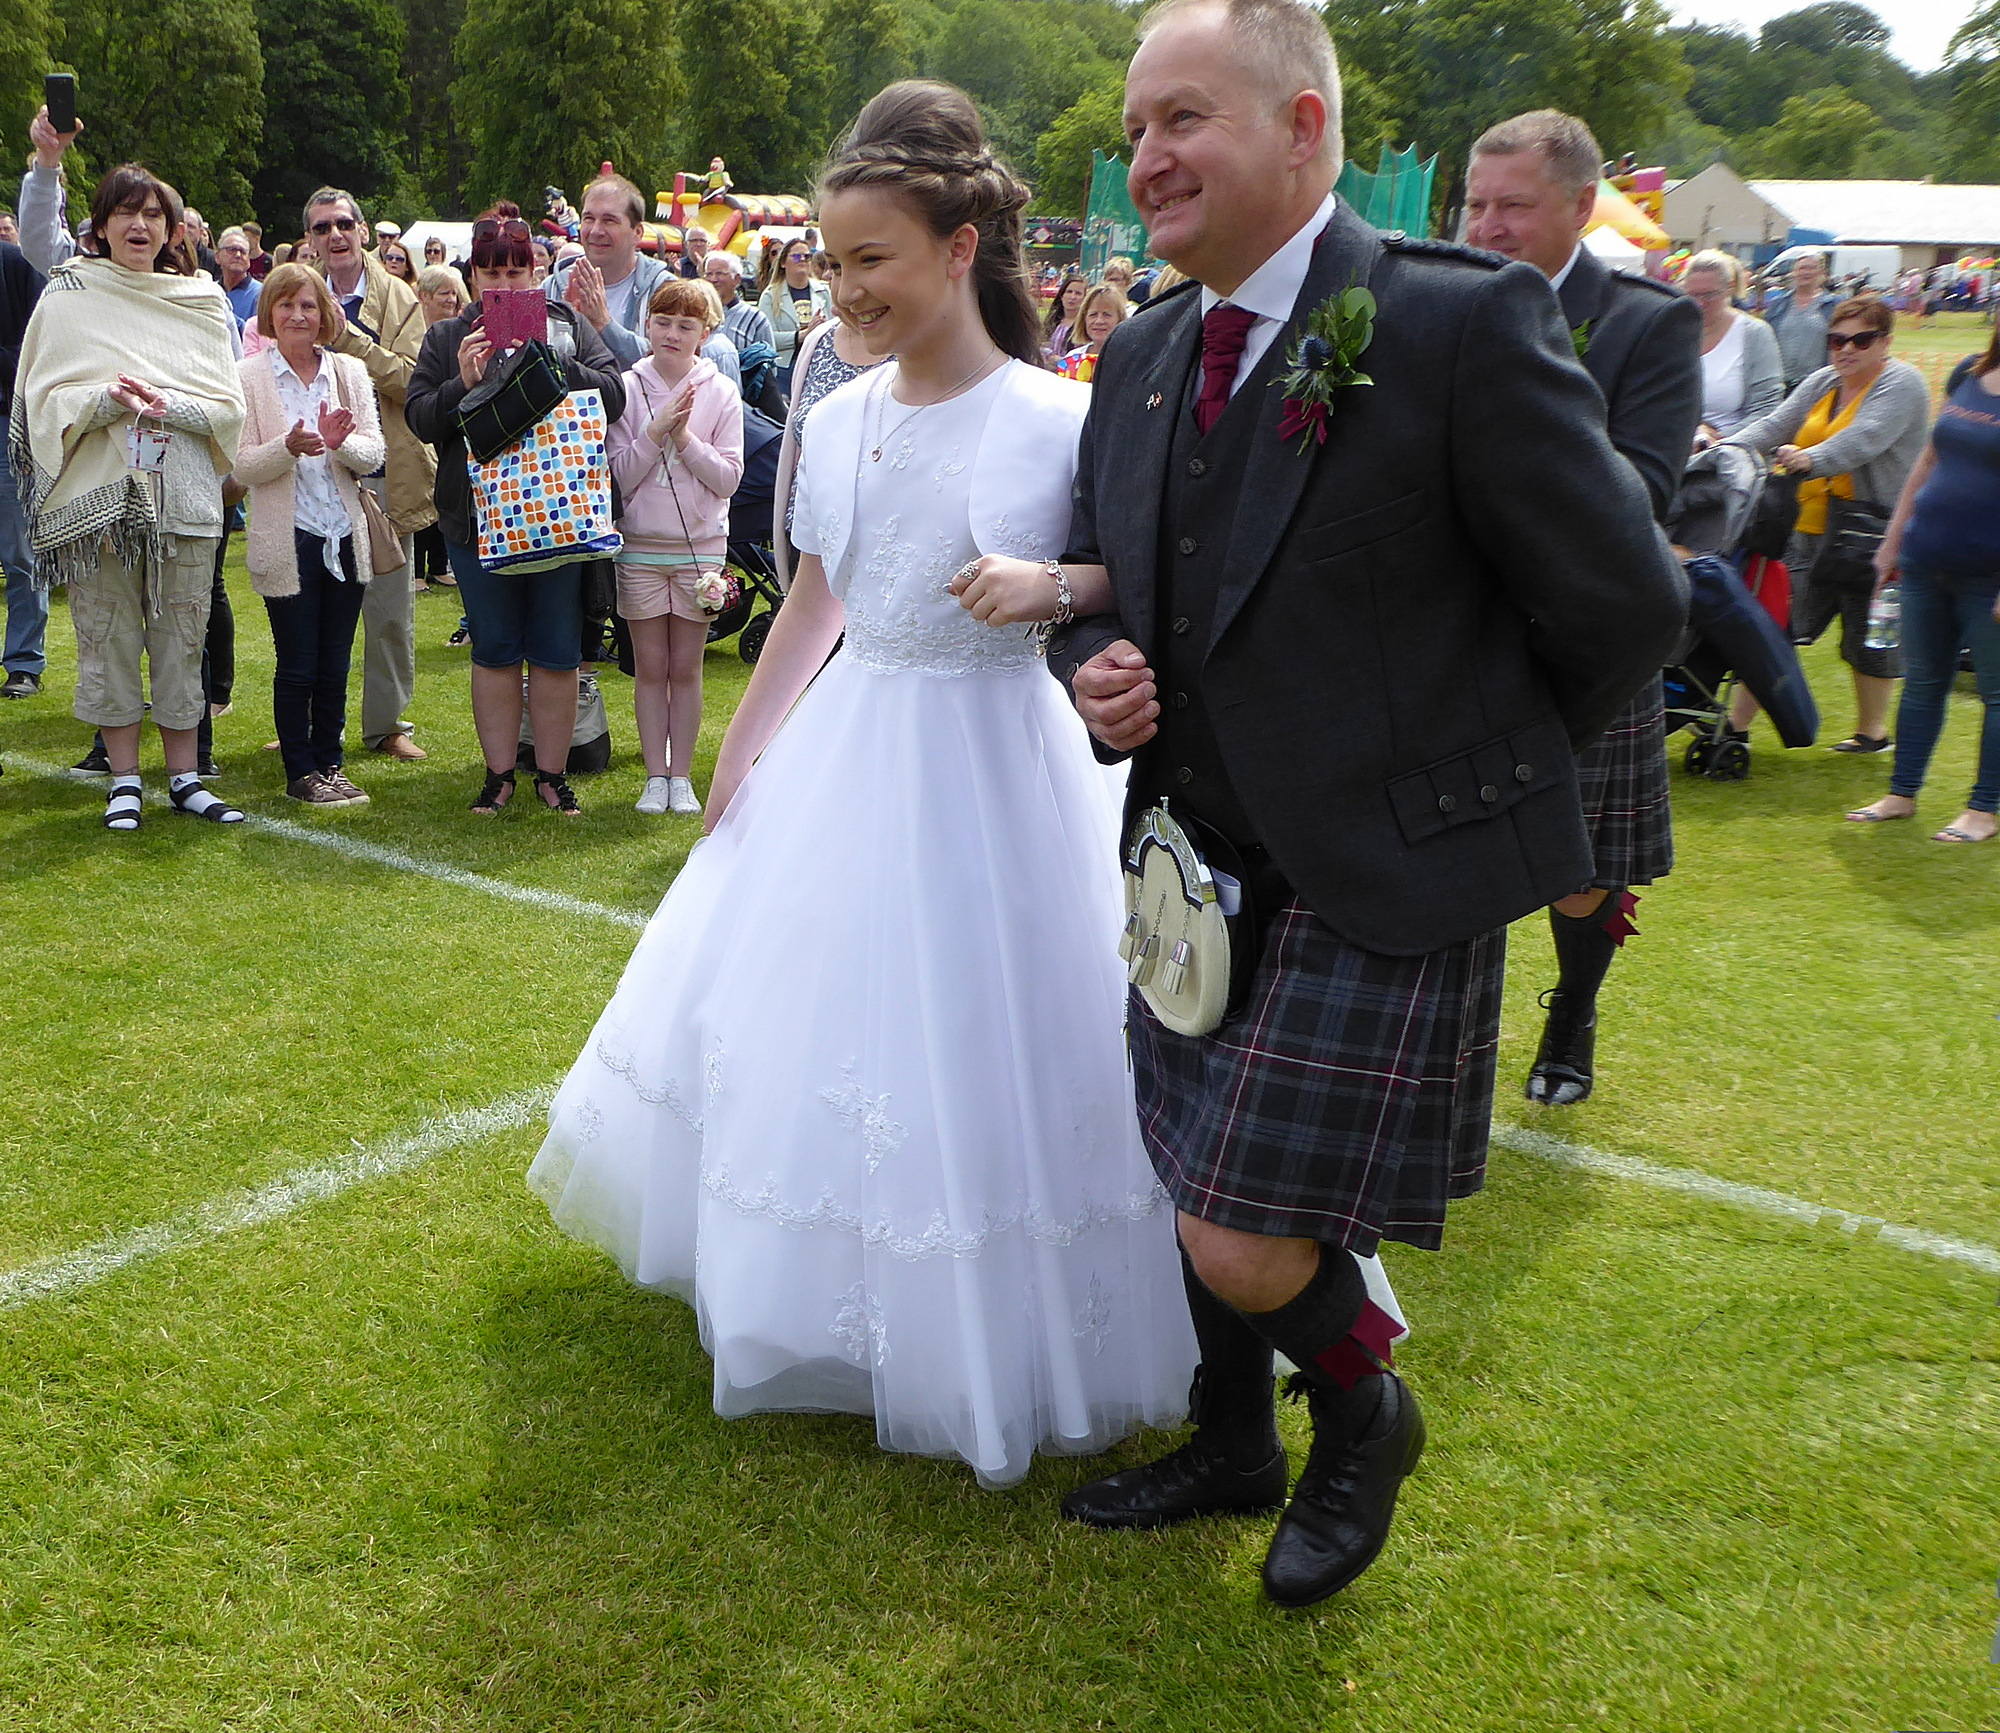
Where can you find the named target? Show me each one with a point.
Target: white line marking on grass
(394, 858)
(1749, 1197)
(234, 1211)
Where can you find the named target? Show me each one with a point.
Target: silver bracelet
(1065, 606)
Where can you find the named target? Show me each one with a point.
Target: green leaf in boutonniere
(1579, 336)
(1338, 332)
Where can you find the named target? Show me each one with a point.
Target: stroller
(1727, 516)
(750, 540)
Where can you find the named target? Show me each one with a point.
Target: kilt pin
(1375, 651)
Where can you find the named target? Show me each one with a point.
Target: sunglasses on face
(326, 225)
(1838, 340)
(493, 228)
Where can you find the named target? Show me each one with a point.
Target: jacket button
(1189, 544)
(1197, 466)
(1184, 776)
(1180, 700)
(1180, 626)
(1447, 804)
(1524, 773)
(1488, 792)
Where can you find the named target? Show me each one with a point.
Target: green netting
(1396, 196)
(1110, 226)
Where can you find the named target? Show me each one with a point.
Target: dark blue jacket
(20, 288)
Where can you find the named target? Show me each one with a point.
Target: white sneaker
(657, 798)
(681, 797)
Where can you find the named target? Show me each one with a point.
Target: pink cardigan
(266, 468)
(704, 475)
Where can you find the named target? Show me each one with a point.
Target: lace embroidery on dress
(589, 1121)
(901, 614)
(858, 1327)
(1093, 1319)
(937, 1237)
(946, 469)
(867, 1116)
(664, 1095)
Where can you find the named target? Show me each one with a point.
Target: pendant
(875, 456)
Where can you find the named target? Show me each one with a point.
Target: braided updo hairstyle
(923, 141)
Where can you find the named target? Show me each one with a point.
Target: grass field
(311, 1422)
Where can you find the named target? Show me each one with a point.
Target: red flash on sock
(1363, 1351)
(1619, 923)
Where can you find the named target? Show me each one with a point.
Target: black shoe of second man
(1339, 1517)
(1199, 1479)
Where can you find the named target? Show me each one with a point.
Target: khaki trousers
(159, 611)
(389, 643)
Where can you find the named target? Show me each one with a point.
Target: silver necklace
(882, 439)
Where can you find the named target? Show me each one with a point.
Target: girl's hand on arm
(999, 591)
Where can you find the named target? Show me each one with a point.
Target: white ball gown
(861, 1096)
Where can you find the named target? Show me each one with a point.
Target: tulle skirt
(861, 1097)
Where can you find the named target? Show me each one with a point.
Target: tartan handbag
(519, 389)
(546, 500)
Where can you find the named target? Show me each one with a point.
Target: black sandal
(556, 783)
(124, 808)
(496, 792)
(214, 810)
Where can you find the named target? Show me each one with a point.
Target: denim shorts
(516, 617)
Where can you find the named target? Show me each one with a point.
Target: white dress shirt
(317, 507)
(1272, 290)
(1561, 277)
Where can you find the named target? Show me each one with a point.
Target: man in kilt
(1354, 650)
(1531, 189)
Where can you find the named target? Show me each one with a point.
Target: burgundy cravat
(1224, 329)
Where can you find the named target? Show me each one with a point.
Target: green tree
(1450, 68)
(436, 153)
(28, 37)
(756, 91)
(867, 45)
(174, 83)
(1819, 135)
(548, 89)
(335, 114)
(1974, 98)
(1093, 122)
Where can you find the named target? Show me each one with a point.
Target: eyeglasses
(326, 225)
(1838, 340)
(494, 228)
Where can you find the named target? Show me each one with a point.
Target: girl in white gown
(861, 1096)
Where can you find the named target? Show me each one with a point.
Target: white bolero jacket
(1021, 478)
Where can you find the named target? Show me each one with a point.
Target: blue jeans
(313, 633)
(1942, 614)
(27, 607)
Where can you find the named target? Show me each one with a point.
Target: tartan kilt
(1348, 1103)
(1621, 780)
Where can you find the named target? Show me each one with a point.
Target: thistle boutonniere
(1323, 360)
(1579, 337)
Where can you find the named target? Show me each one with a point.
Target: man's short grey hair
(1567, 146)
(232, 234)
(332, 196)
(1285, 46)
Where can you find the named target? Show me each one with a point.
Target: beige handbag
(385, 547)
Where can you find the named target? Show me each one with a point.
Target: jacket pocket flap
(1478, 784)
(1342, 535)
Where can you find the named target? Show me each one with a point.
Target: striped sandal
(192, 798)
(123, 806)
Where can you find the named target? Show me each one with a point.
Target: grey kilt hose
(1348, 1103)
(1621, 782)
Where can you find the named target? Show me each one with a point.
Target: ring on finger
(967, 572)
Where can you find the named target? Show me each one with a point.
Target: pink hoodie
(704, 474)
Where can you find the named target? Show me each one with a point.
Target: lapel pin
(1155, 401)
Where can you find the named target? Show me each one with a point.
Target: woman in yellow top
(1853, 430)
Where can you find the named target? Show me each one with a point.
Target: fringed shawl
(95, 321)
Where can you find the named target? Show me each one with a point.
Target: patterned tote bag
(546, 501)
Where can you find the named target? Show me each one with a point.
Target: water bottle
(1885, 618)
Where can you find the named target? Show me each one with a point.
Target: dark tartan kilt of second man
(1621, 781)
(1347, 1103)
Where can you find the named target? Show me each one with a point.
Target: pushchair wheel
(750, 645)
(1731, 762)
(1701, 750)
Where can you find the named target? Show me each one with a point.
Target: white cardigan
(1021, 478)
